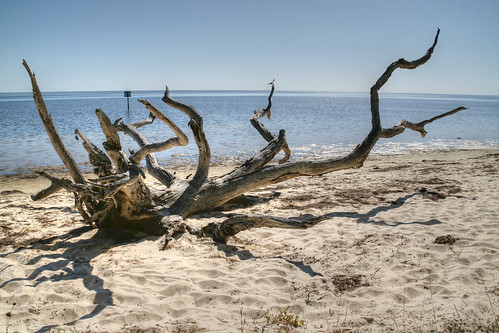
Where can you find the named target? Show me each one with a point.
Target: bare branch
(196, 125)
(84, 196)
(59, 184)
(214, 195)
(80, 205)
(113, 143)
(56, 185)
(267, 111)
(401, 63)
(161, 174)
(149, 120)
(148, 148)
(426, 122)
(261, 159)
(182, 138)
(52, 133)
(264, 132)
(419, 127)
(101, 162)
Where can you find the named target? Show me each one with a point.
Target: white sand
(372, 266)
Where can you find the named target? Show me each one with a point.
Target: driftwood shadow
(73, 264)
(307, 221)
(243, 254)
(239, 222)
(370, 215)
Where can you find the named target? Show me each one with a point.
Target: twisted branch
(264, 132)
(59, 184)
(231, 187)
(148, 148)
(401, 63)
(196, 125)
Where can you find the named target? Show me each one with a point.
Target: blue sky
(217, 44)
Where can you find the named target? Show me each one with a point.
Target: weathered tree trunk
(119, 197)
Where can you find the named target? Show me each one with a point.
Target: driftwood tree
(119, 197)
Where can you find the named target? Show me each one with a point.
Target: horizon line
(255, 90)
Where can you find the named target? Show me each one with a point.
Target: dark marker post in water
(127, 94)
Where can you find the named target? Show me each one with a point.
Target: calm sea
(316, 123)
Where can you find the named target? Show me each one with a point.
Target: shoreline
(230, 161)
(410, 243)
(305, 152)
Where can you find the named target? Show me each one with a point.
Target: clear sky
(329, 45)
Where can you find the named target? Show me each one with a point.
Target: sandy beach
(409, 244)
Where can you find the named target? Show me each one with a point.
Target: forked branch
(231, 187)
(264, 132)
(162, 175)
(418, 127)
(401, 63)
(149, 148)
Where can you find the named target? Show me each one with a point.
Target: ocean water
(316, 123)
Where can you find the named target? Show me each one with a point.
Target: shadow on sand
(75, 261)
(73, 264)
(310, 220)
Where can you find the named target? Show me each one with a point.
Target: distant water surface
(316, 123)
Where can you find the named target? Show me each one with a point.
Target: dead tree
(119, 197)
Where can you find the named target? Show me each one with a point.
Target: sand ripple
(373, 265)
